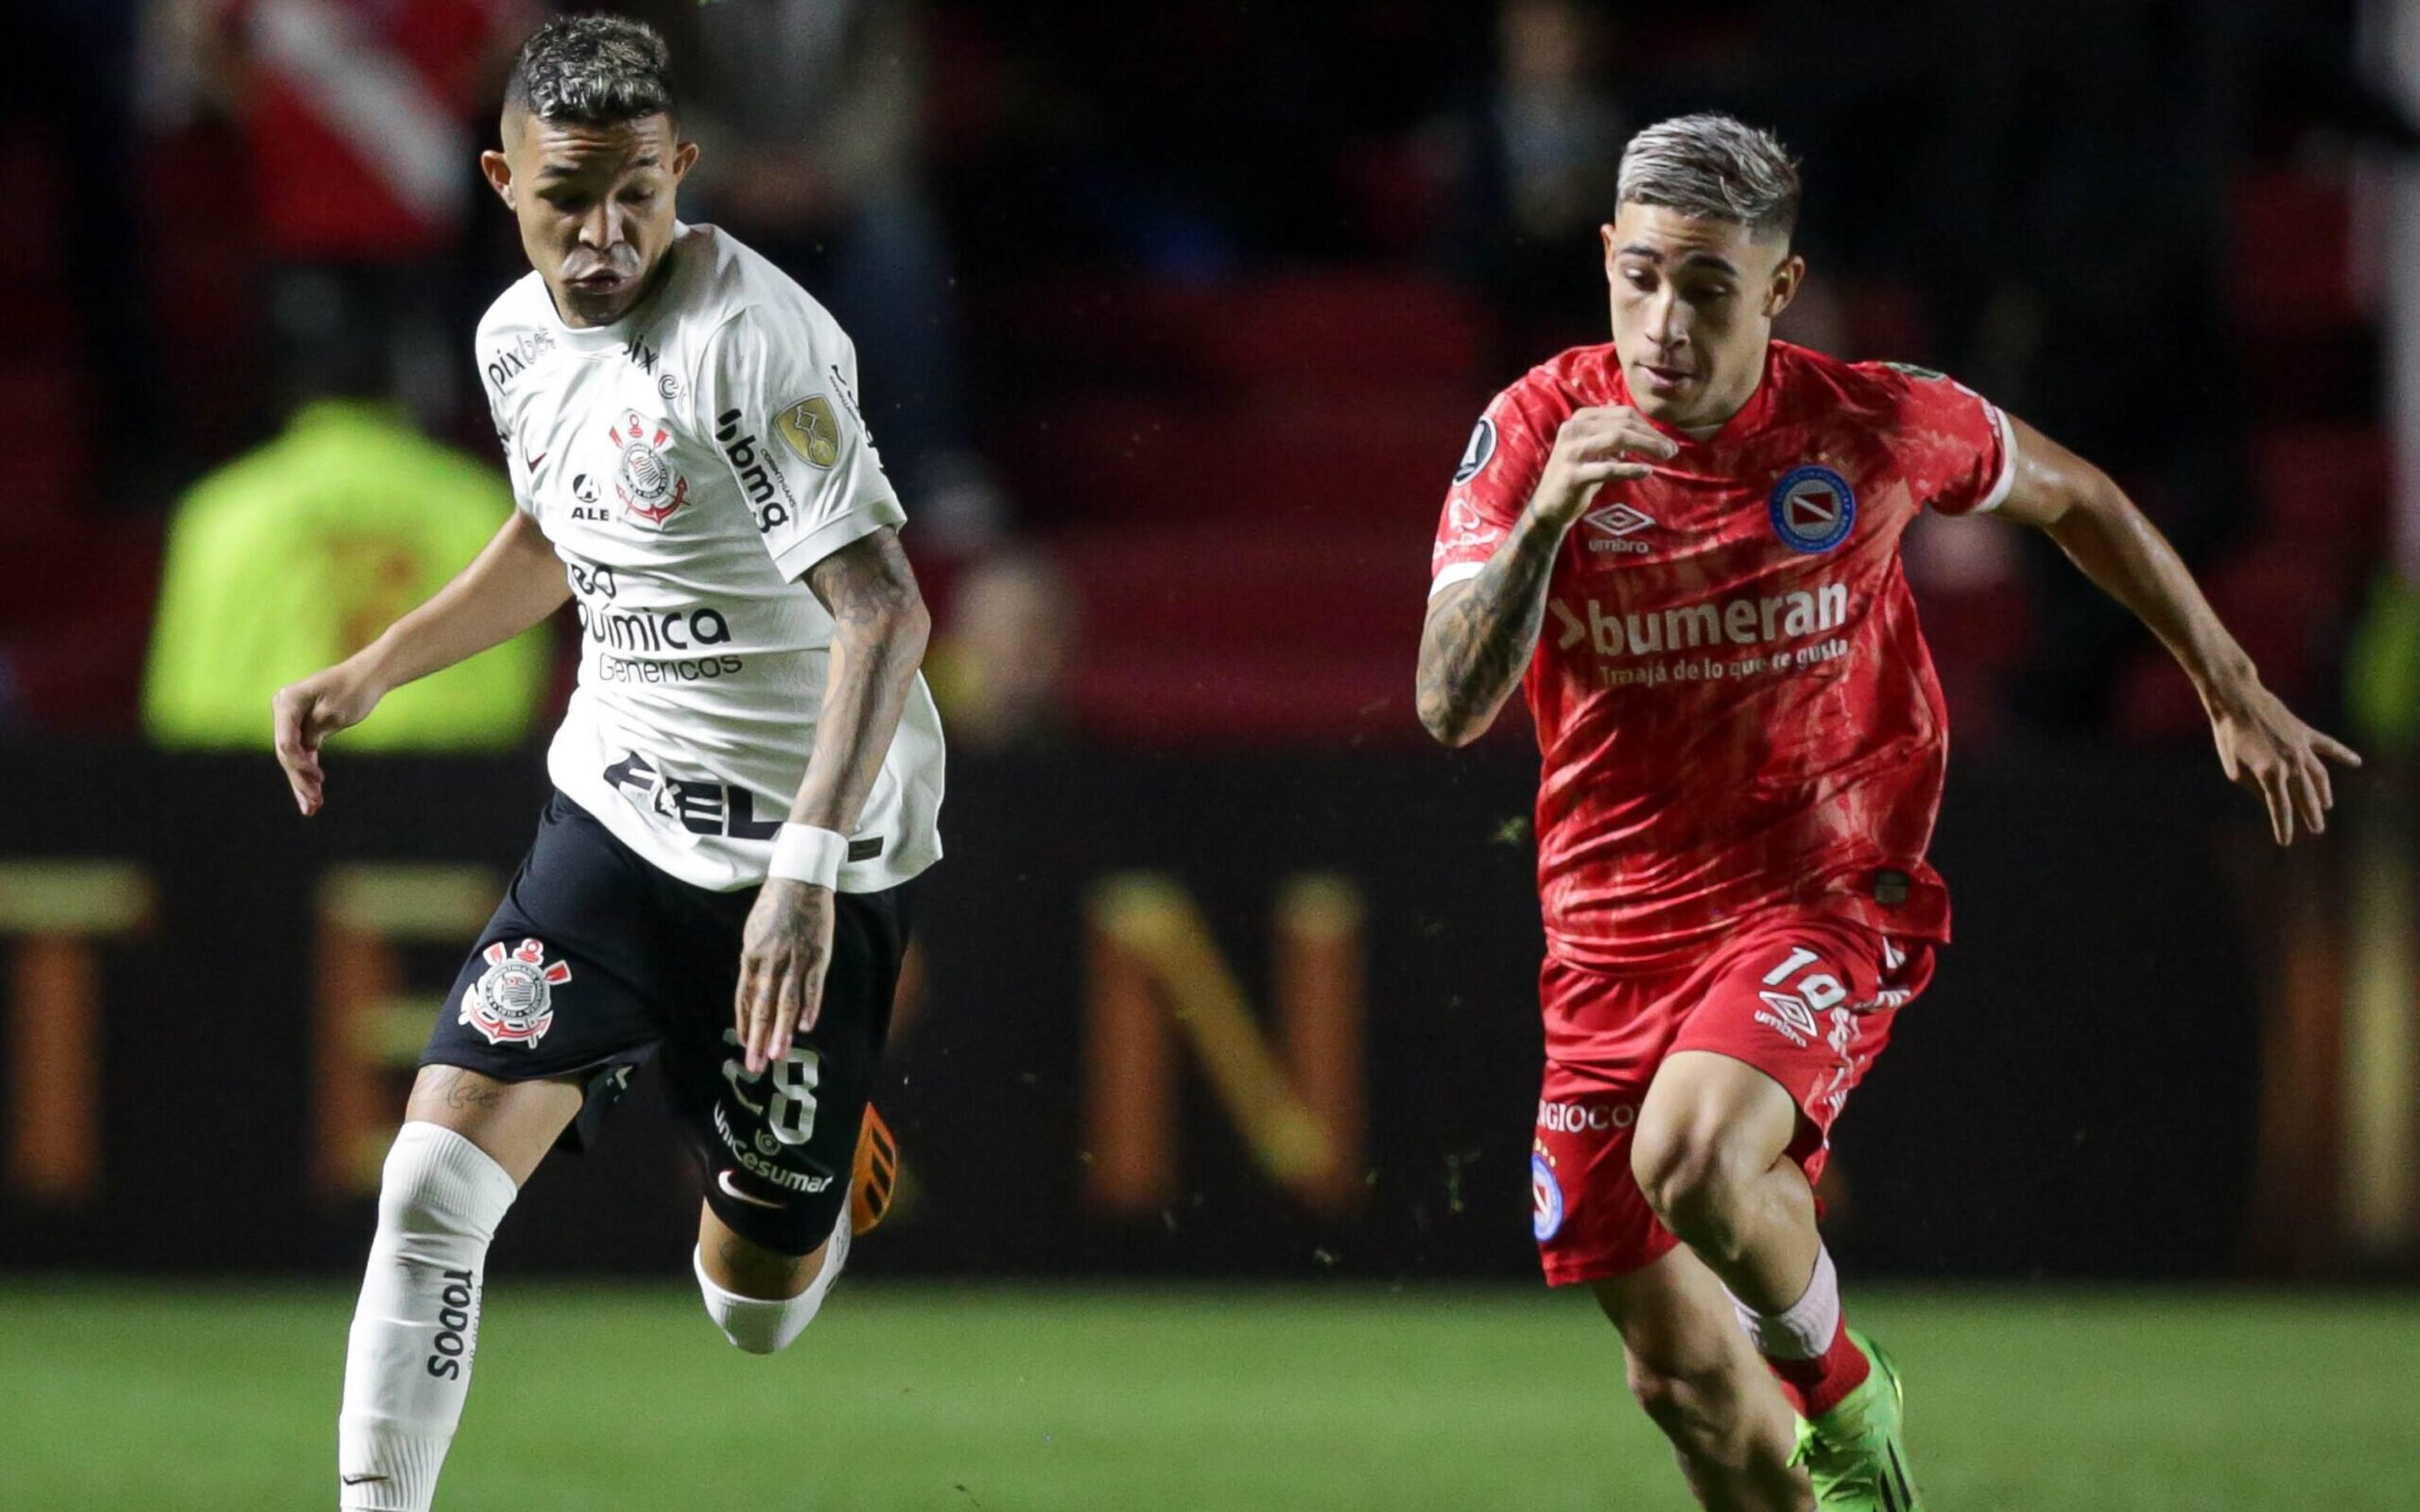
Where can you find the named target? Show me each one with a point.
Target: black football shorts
(596, 960)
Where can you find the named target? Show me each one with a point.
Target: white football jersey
(689, 463)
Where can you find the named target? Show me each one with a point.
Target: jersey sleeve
(779, 392)
(1956, 442)
(494, 368)
(1500, 467)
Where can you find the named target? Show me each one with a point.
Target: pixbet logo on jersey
(511, 362)
(650, 489)
(513, 1000)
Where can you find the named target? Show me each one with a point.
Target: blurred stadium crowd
(1172, 320)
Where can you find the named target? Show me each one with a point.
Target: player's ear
(1605, 234)
(684, 158)
(1784, 288)
(497, 170)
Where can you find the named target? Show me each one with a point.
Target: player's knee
(436, 1184)
(1694, 1179)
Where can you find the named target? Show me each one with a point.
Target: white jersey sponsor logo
(763, 1168)
(1586, 1117)
(1748, 620)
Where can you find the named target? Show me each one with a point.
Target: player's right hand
(1594, 447)
(307, 713)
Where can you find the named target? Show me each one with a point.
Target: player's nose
(1663, 328)
(601, 227)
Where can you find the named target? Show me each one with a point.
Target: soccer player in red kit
(1685, 547)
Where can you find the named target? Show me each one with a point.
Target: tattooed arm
(880, 628)
(1480, 633)
(878, 642)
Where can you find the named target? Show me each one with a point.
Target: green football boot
(1855, 1454)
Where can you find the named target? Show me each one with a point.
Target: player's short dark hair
(1713, 165)
(592, 69)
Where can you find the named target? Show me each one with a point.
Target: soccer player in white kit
(747, 780)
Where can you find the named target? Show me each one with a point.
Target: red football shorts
(1806, 998)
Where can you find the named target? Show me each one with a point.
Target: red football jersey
(1733, 704)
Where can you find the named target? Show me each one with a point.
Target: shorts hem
(791, 1231)
(1578, 1271)
(466, 1060)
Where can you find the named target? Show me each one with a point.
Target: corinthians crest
(650, 489)
(512, 1002)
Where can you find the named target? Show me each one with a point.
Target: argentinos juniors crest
(513, 1000)
(650, 489)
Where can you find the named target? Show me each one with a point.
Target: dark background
(1175, 318)
(2074, 1096)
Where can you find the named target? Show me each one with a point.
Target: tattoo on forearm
(870, 590)
(1478, 642)
(864, 582)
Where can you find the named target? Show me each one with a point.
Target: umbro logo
(1788, 1015)
(1619, 519)
(1612, 527)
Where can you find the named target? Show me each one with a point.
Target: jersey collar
(1746, 421)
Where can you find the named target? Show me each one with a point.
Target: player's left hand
(783, 954)
(2263, 748)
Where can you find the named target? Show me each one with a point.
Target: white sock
(1805, 1328)
(408, 1361)
(767, 1327)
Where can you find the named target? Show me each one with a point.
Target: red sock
(1815, 1386)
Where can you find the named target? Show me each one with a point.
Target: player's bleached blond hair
(1713, 165)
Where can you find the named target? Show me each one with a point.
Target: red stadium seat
(2282, 607)
(1367, 454)
(2324, 490)
(1332, 328)
(79, 631)
(1234, 631)
(1298, 329)
(2292, 252)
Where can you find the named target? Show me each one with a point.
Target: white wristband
(802, 853)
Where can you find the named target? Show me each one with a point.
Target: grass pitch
(155, 1397)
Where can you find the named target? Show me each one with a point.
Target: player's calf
(408, 1360)
(1702, 1408)
(1694, 1374)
